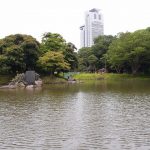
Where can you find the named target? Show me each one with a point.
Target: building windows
(93, 27)
(99, 16)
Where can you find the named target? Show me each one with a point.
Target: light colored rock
(72, 81)
(21, 84)
(30, 86)
(38, 83)
(4, 87)
(12, 86)
(8, 87)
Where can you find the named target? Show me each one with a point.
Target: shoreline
(109, 76)
(4, 80)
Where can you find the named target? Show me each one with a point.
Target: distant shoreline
(4, 79)
(108, 76)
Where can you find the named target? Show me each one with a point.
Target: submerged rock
(30, 86)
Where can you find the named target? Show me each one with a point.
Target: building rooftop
(94, 10)
(81, 27)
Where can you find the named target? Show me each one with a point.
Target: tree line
(126, 52)
(19, 53)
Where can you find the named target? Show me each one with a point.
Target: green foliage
(5, 79)
(126, 52)
(53, 61)
(91, 59)
(130, 51)
(115, 55)
(31, 51)
(4, 69)
(88, 76)
(108, 76)
(101, 44)
(53, 42)
(100, 47)
(18, 53)
(83, 55)
(71, 56)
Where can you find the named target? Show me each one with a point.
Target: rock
(19, 81)
(8, 87)
(73, 81)
(30, 86)
(21, 84)
(12, 86)
(4, 87)
(38, 83)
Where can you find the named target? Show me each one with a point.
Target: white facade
(82, 36)
(93, 27)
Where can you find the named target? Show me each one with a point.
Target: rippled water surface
(102, 115)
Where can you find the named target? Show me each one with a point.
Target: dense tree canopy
(53, 61)
(71, 56)
(90, 59)
(18, 53)
(127, 52)
(53, 42)
(22, 52)
(83, 55)
(130, 51)
(101, 45)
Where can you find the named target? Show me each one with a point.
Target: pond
(110, 115)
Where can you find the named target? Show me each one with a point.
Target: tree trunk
(135, 69)
(118, 69)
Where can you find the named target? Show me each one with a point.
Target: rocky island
(29, 79)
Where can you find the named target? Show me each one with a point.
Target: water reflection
(104, 115)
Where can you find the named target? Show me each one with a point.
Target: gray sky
(35, 17)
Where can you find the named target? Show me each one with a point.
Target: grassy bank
(53, 80)
(108, 76)
(5, 79)
(82, 76)
(46, 80)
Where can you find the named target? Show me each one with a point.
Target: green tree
(20, 52)
(71, 56)
(52, 42)
(53, 61)
(139, 50)
(130, 50)
(116, 53)
(92, 59)
(31, 50)
(100, 47)
(4, 69)
(83, 55)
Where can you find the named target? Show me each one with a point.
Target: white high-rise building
(93, 27)
(82, 36)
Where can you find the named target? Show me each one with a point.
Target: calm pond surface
(102, 115)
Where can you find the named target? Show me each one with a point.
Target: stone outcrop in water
(30, 79)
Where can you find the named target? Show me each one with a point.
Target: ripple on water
(75, 120)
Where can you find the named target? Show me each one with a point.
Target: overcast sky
(35, 17)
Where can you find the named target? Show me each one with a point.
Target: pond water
(112, 115)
